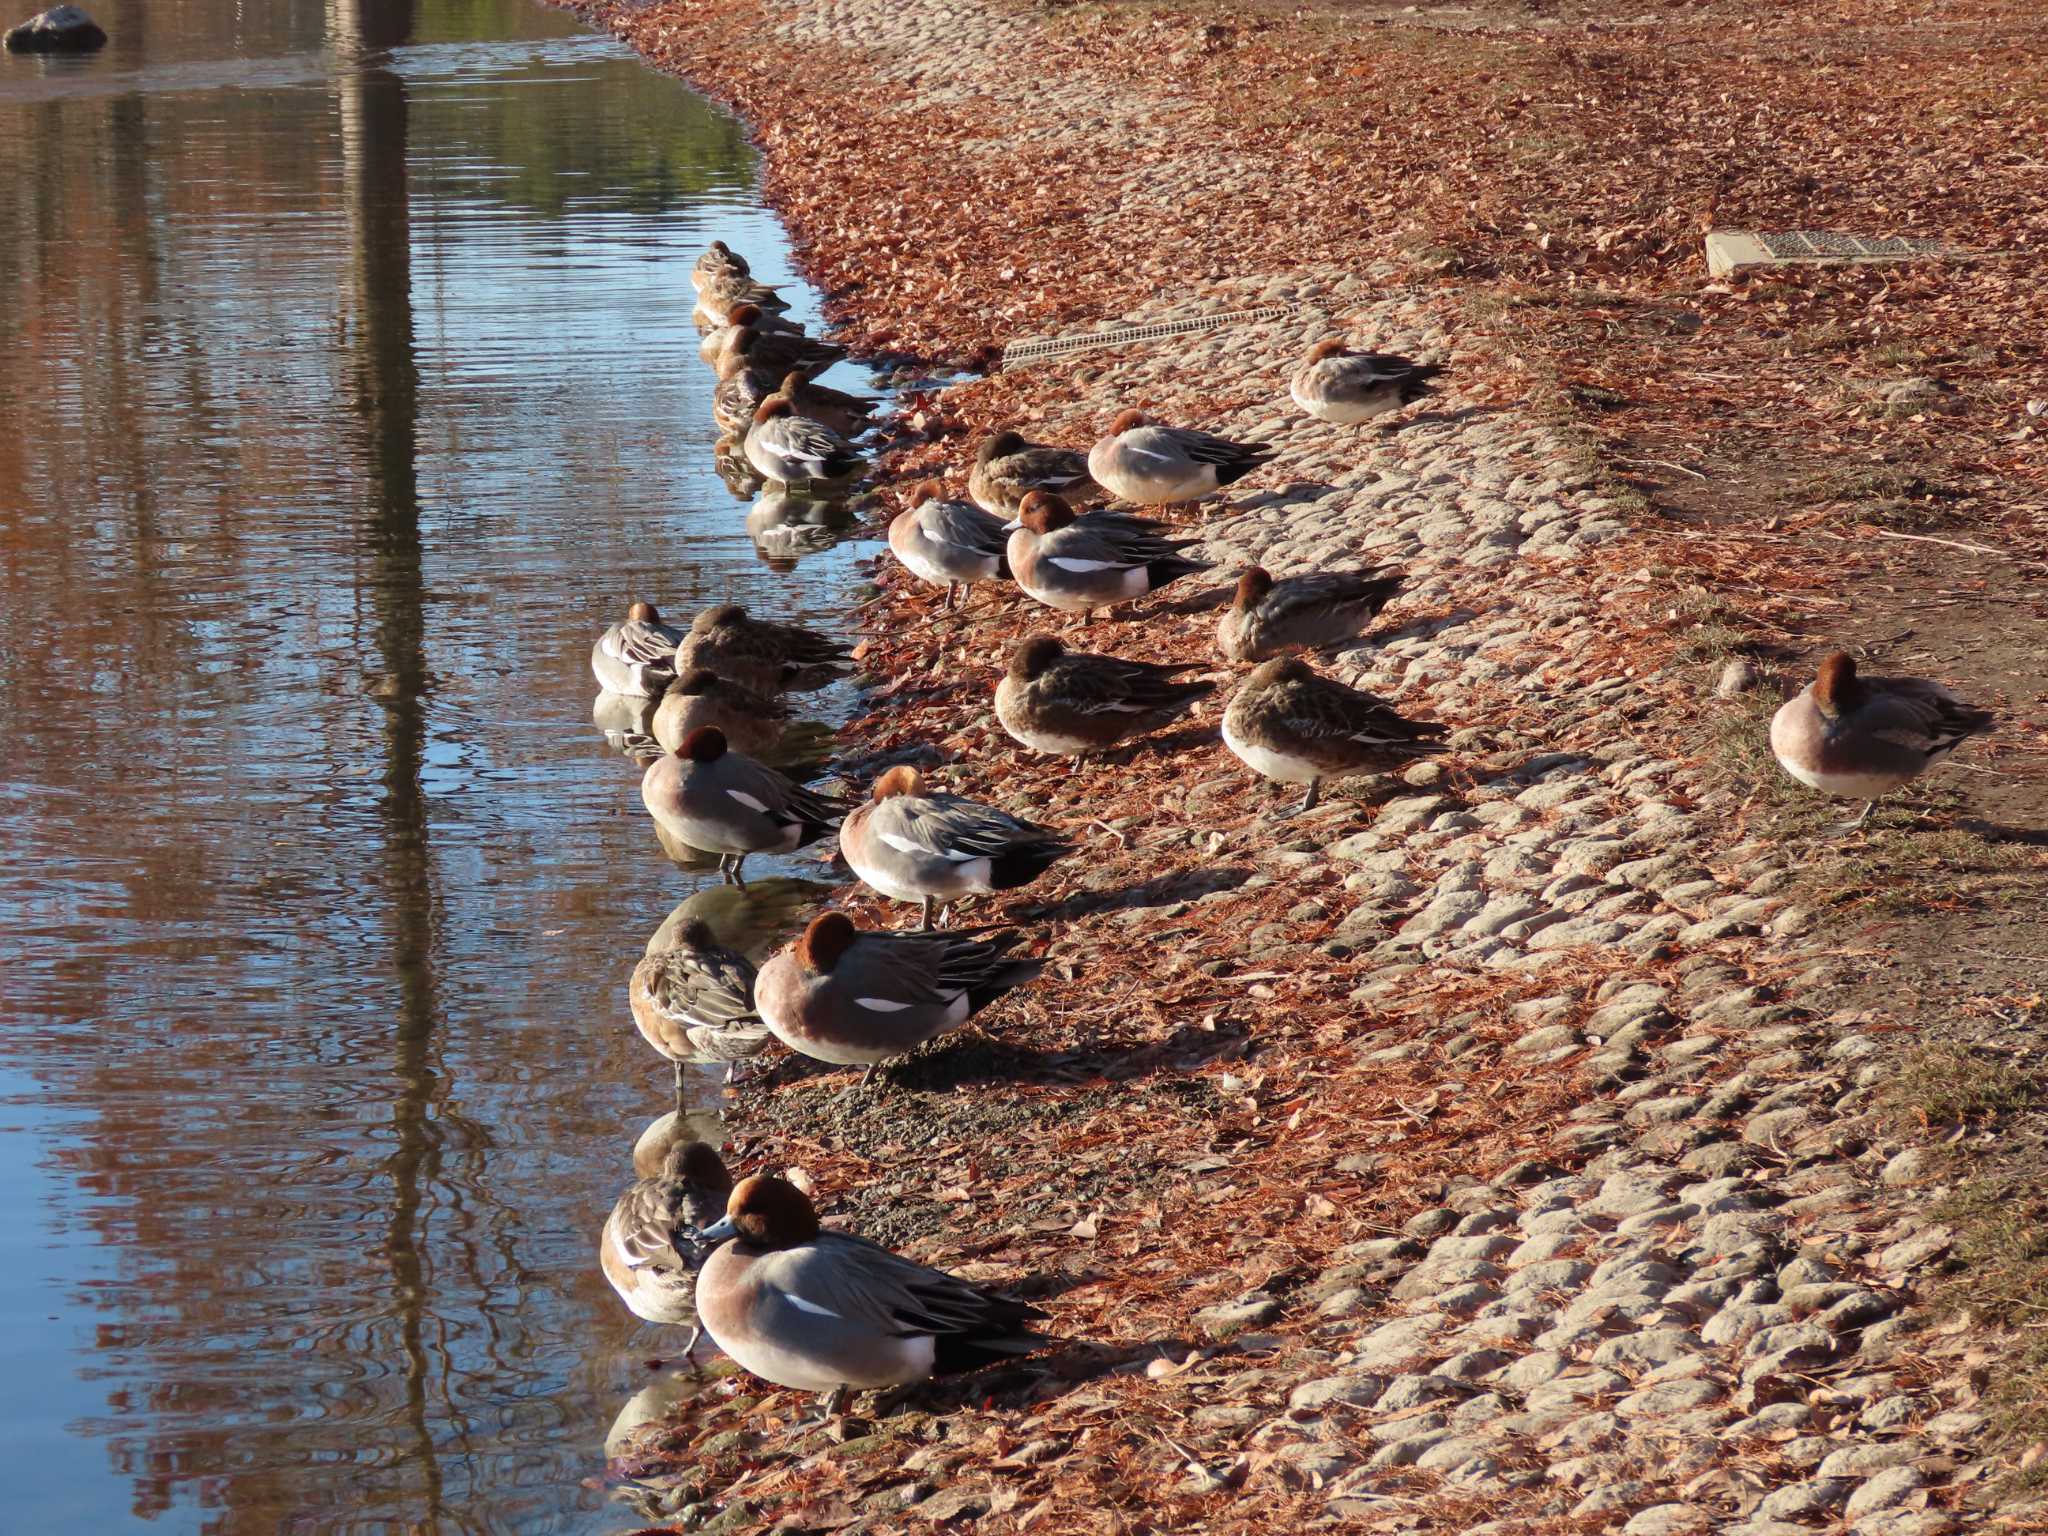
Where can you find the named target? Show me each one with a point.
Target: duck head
(830, 935)
(767, 1212)
(718, 618)
(697, 934)
(1330, 348)
(1836, 689)
(743, 315)
(900, 780)
(1034, 655)
(1281, 669)
(704, 745)
(924, 491)
(695, 681)
(1125, 421)
(1253, 585)
(773, 406)
(1001, 446)
(1042, 512)
(643, 613)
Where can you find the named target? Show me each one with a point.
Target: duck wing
(864, 1283)
(1920, 715)
(963, 526)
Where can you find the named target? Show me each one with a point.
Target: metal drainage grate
(1040, 348)
(1728, 249)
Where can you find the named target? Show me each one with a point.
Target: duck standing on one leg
(1863, 737)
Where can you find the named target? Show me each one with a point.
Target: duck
(1080, 564)
(913, 843)
(718, 260)
(844, 413)
(1293, 726)
(752, 320)
(719, 296)
(1007, 468)
(695, 1003)
(635, 658)
(752, 722)
(821, 1311)
(1310, 611)
(1337, 384)
(1860, 738)
(664, 1131)
(854, 998)
(652, 1247)
(1158, 466)
(950, 544)
(725, 803)
(771, 351)
(736, 395)
(1070, 703)
(796, 450)
(760, 655)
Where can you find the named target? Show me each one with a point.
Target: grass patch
(1907, 860)
(2000, 1278)
(1949, 1084)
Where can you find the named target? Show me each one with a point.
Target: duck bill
(718, 1231)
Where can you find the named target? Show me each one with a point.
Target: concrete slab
(1730, 249)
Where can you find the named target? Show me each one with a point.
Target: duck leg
(738, 859)
(835, 1403)
(679, 1087)
(1308, 801)
(926, 925)
(690, 1349)
(952, 591)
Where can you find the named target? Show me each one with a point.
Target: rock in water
(61, 29)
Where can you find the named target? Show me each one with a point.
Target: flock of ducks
(810, 1308)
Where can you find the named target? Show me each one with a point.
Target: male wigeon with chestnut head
(915, 843)
(1080, 564)
(1307, 612)
(1337, 384)
(1158, 466)
(815, 1310)
(721, 802)
(854, 998)
(1862, 737)
(947, 543)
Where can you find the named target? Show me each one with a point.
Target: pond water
(350, 389)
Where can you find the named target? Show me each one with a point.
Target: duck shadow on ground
(1161, 891)
(1453, 417)
(950, 1067)
(1999, 832)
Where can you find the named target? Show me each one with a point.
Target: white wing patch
(1071, 563)
(747, 800)
(811, 1307)
(903, 844)
(881, 1004)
